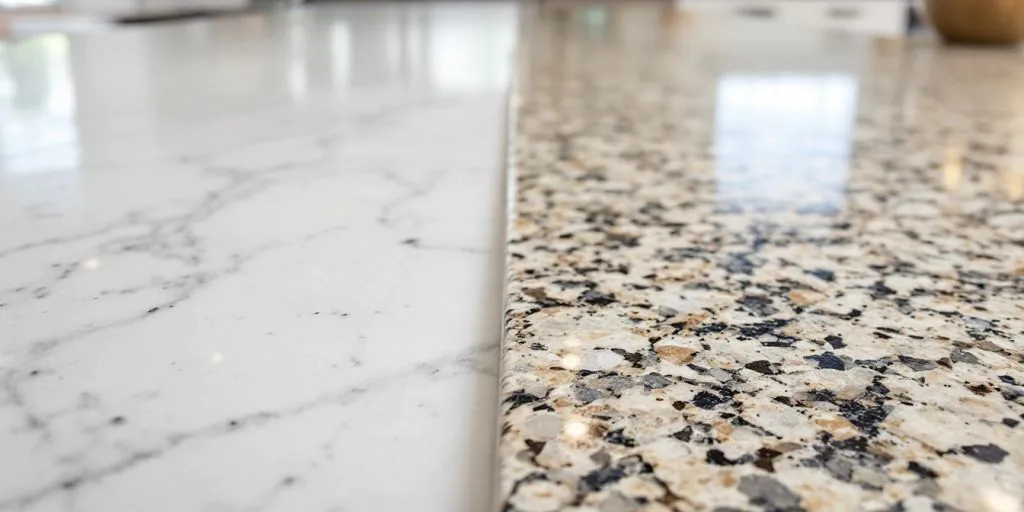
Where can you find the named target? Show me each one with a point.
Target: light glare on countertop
(571, 361)
(999, 500)
(1014, 182)
(953, 169)
(576, 428)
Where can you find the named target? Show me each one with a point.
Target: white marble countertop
(254, 263)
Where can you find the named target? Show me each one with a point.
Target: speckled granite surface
(760, 268)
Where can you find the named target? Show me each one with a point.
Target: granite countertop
(241, 268)
(759, 267)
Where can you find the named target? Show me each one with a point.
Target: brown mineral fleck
(674, 354)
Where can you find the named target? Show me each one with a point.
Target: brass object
(978, 21)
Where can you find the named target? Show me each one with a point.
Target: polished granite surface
(761, 267)
(254, 263)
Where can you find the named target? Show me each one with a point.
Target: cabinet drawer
(887, 17)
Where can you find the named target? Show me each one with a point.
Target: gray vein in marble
(475, 360)
(211, 259)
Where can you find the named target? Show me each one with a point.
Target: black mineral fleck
(823, 274)
(760, 306)
(762, 366)
(684, 435)
(535, 447)
(520, 398)
(718, 458)
(828, 360)
(921, 470)
(918, 365)
(655, 381)
(597, 298)
(866, 418)
(963, 356)
(835, 341)
(990, 453)
(769, 493)
(706, 400)
(619, 438)
(599, 478)
(879, 290)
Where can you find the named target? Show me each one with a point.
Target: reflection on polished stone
(38, 130)
(783, 142)
(205, 298)
(794, 257)
(50, 84)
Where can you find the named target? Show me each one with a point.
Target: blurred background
(21, 16)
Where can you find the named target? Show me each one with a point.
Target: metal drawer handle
(757, 11)
(843, 12)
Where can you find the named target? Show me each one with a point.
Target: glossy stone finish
(253, 263)
(759, 267)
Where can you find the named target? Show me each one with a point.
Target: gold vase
(978, 21)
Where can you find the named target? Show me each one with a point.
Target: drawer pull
(757, 11)
(843, 12)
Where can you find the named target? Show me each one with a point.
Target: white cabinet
(118, 8)
(883, 17)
